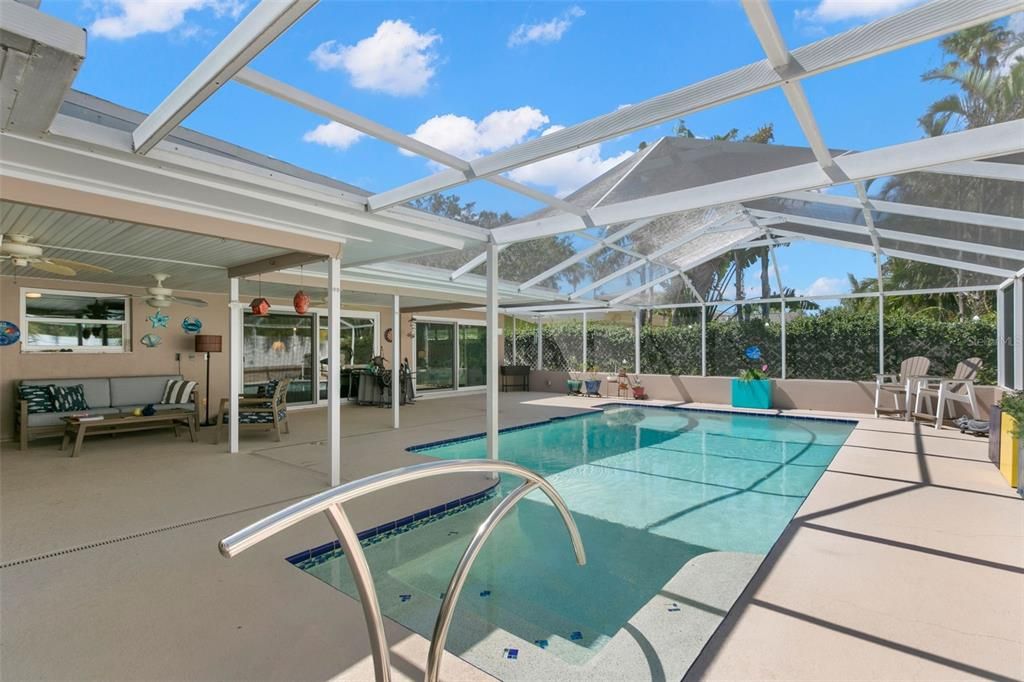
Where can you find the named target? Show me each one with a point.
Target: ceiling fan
(162, 297)
(18, 249)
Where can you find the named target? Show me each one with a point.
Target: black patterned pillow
(38, 398)
(68, 398)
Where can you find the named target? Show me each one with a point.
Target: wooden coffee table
(78, 428)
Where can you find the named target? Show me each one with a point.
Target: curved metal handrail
(330, 502)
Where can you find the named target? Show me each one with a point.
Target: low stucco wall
(788, 394)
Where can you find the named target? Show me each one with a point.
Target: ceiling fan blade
(52, 267)
(197, 302)
(77, 265)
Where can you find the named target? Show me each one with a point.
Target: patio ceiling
(700, 198)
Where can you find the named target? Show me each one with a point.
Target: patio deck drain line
(153, 531)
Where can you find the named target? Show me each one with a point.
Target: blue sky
(474, 77)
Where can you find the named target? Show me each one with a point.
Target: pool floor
(650, 489)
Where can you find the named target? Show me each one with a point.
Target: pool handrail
(330, 502)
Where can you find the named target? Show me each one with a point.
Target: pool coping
(773, 414)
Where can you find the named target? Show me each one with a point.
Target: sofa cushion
(256, 417)
(138, 390)
(37, 398)
(97, 391)
(159, 407)
(54, 418)
(68, 398)
(177, 392)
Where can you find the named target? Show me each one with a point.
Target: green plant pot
(574, 385)
(755, 394)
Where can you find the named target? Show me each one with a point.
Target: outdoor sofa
(105, 396)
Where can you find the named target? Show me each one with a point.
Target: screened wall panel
(670, 342)
(832, 339)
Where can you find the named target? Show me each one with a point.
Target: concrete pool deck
(907, 559)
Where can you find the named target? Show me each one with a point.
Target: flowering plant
(753, 353)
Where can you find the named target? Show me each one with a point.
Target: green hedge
(836, 344)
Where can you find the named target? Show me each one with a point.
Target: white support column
(334, 368)
(235, 346)
(703, 340)
(1002, 379)
(396, 360)
(515, 339)
(636, 342)
(1018, 334)
(584, 341)
(540, 343)
(492, 350)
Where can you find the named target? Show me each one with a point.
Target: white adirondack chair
(902, 384)
(957, 389)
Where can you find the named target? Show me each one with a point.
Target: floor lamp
(206, 344)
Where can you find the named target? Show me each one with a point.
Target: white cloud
(334, 135)
(545, 32)
(467, 139)
(828, 11)
(396, 59)
(569, 171)
(128, 18)
(825, 286)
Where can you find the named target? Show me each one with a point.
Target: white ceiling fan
(162, 297)
(18, 249)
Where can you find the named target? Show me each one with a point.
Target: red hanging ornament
(301, 302)
(260, 306)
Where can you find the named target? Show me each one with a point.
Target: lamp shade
(208, 343)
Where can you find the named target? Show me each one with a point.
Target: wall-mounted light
(33, 294)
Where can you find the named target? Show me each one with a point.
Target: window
(71, 321)
(279, 346)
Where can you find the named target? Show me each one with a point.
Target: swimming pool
(650, 488)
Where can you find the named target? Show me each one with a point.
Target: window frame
(125, 324)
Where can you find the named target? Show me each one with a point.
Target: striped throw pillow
(178, 392)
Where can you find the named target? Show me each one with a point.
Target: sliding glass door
(472, 355)
(435, 355)
(358, 346)
(450, 354)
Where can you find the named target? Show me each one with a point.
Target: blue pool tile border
(601, 408)
(372, 536)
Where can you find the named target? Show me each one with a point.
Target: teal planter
(574, 386)
(756, 394)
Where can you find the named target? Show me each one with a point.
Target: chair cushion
(177, 392)
(54, 418)
(147, 390)
(69, 398)
(258, 417)
(97, 391)
(38, 398)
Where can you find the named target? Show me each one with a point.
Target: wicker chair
(259, 413)
(903, 384)
(959, 388)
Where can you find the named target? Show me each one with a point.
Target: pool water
(650, 489)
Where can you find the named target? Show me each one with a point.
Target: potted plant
(1011, 436)
(592, 385)
(573, 384)
(753, 388)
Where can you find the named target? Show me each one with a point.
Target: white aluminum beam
(644, 287)
(767, 30)
(993, 140)
(990, 170)
(235, 362)
(396, 360)
(304, 100)
(472, 264)
(927, 240)
(584, 254)
(916, 210)
(256, 31)
(916, 25)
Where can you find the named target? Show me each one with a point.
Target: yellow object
(137, 412)
(1009, 450)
